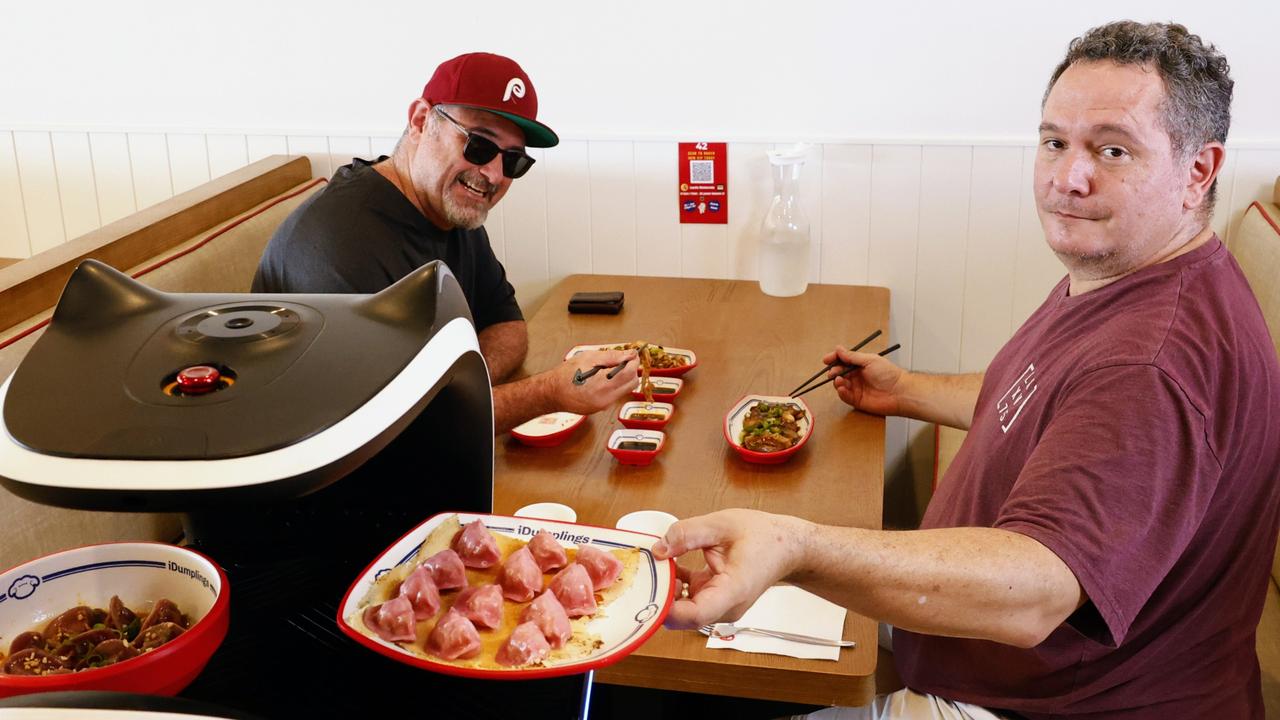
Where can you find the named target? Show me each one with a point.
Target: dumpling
(548, 614)
(521, 578)
(392, 620)
(422, 593)
(481, 604)
(454, 637)
(602, 566)
(572, 587)
(548, 553)
(447, 570)
(476, 546)
(525, 646)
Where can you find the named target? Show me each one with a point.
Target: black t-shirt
(360, 234)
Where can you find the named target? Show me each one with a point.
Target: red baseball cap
(494, 83)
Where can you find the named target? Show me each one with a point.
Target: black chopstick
(580, 376)
(827, 369)
(882, 353)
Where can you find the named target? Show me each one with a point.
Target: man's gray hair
(1197, 79)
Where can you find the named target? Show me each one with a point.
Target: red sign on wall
(704, 182)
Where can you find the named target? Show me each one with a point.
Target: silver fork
(724, 630)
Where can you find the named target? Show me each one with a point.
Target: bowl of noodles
(660, 361)
(768, 429)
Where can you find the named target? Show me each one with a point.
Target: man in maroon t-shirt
(1101, 545)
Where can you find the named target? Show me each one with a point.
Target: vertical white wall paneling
(846, 212)
(226, 153)
(149, 156)
(750, 194)
(704, 251)
(945, 174)
(994, 199)
(811, 194)
(524, 225)
(261, 146)
(613, 208)
(188, 161)
(343, 148)
(566, 170)
(382, 146)
(1255, 179)
(74, 163)
(40, 198)
(316, 148)
(657, 212)
(13, 217)
(1221, 222)
(891, 257)
(1036, 269)
(112, 175)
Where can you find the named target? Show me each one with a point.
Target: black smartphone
(605, 303)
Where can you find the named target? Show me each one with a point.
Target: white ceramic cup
(548, 511)
(654, 522)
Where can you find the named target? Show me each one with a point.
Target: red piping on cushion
(1265, 216)
(189, 250)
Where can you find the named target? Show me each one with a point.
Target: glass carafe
(784, 233)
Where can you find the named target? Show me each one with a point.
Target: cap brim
(535, 133)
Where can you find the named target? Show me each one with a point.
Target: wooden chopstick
(827, 369)
(882, 353)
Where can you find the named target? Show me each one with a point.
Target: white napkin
(789, 609)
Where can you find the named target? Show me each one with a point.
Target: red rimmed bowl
(636, 447)
(140, 574)
(733, 421)
(629, 413)
(691, 358)
(548, 430)
(664, 389)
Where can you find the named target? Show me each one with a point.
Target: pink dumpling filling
(521, 578)
(454, 637)
(603, 567)
(548, 553)
(392, 620)
(481, 604)
(447, 570)
(572, 587)
(422, 593)
(525, 646)
(548, 614)
(476, 546)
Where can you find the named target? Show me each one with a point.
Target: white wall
(923, 116)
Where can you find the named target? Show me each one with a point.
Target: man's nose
(492, 170)
(1074, 174)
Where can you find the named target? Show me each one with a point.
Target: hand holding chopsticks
(827, 369)
(798, 391)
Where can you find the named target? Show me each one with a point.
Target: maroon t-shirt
(1135, 432)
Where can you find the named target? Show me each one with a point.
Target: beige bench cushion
(221, 260)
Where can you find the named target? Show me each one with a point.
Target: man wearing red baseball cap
(377, 222)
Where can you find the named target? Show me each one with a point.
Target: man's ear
(1204, 168)
(419, 113)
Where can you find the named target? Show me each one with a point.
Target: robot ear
(429, 294)
(97, 294)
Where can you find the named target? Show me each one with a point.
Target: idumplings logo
(515, 86)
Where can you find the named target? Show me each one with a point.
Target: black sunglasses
(480, 150)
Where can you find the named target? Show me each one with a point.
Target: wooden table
(746, 342)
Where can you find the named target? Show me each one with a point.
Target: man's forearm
(516, 402)
(504, 346)
(959, 582)
(942, 399)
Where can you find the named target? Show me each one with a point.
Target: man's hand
(598, 391)
(874, 388)
(746, 552)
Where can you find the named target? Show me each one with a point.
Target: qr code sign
(702, 172)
